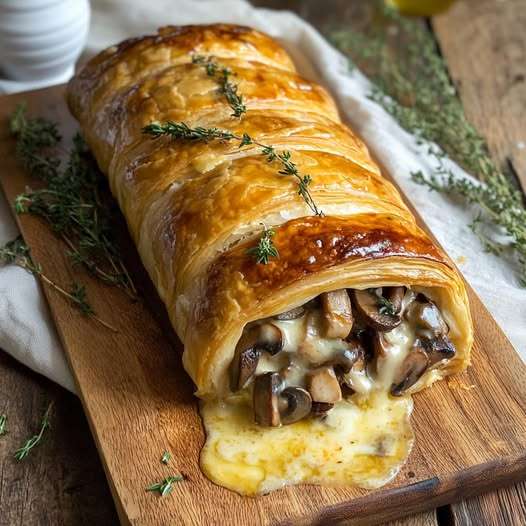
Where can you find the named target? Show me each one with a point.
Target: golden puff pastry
(358, 299)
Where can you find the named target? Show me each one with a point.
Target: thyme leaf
(165, 486)
(227, 88)
(166, 457)
(265, 248)
(32, 442)
(70, 199)
(3, 425)
(385, 306)
(18, 253)
(181, 131)
(414, 86)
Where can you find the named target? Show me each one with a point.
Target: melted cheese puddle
(361, 444)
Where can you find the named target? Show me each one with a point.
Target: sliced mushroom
(361, 363)
(369, 305)
(270, 338)
(243, 366)
(337, 313)
(347, 390)
(323, 385)
(412, 368)
(379, 345)
(344, 360)
(426, 317)
(294, 404)
(245, 360)
(438, 349)
(292, 314)
(395, 295)
(256, 339)
(357, 379)
(320, 408)
(266, 399)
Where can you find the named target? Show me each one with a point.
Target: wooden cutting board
(470, 430)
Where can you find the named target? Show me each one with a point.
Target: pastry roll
(352, 310)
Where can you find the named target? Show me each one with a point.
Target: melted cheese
(362, 444)
(363, 441)
(315, 347)
(399, 341)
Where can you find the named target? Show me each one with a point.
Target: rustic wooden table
(484, 44)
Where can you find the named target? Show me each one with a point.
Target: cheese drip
(363, 441)
(360, 443)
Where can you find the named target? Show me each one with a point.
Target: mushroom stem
(337, 313)
(323, 385)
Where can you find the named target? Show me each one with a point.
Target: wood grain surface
(62, 482)
(484, 45)
(487, 62)
(471, 431)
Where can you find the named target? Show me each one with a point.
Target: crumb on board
(459, 383)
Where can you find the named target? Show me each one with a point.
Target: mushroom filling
(342, 344)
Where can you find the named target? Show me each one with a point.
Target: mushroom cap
(320, 408)
(292, 314)
(256, 339)
(410, 371)
(294, 404)
(438, 349)
(243, 366)
(367, 303)
(427, 318)
(344, 360)
(270, 338)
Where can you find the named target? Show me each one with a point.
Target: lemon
(420, 7)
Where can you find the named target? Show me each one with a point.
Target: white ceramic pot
(41, 39)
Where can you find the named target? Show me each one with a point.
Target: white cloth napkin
(26, 331)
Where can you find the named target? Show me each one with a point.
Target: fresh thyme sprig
(181, 131)
(265, 248)
(165, 486)
(385, 306)
(18, 253)
(70, 201)
(33, 138)
(222, 75)
(415, 88)
(24, 451)
(3, 425)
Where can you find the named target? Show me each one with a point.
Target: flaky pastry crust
(193, 208)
